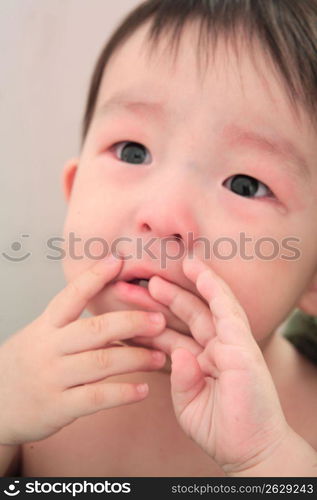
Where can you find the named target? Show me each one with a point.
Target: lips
(137, 273)
(141, 274)
(131, 287)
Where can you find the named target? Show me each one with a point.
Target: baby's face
(189, 174)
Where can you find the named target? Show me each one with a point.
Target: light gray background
(48, 50)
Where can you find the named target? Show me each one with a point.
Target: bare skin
(149, 428)
(264, 426)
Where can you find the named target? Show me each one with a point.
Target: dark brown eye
(246, 186)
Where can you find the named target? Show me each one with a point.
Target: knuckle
(246, 356)
(125, 392)
(175, 300)
(135, 319)
(97, 324)
(234, 310)
(195, 317)
(74, 289)
(234, 323)
(101, 358)
(96, 395)
(140, 356)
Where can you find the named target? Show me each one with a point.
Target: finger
(168, 341)
(98, 331)
(91, 366)
(67, 305)
(208, 361)
(186, 306)
(187, 379)
(219, 357)
(90, 398)
(231, 322)
(230, 319)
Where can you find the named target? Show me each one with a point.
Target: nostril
(177, 236)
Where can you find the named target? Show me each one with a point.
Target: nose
(168, 211)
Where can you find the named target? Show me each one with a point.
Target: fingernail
(156, 318)
(142, 388)
(158, 356)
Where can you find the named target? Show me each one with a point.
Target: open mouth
(140, 282)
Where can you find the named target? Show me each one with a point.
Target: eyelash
(268, 194)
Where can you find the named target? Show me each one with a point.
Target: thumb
(187, 379)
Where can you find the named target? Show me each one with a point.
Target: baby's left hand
(224, 396)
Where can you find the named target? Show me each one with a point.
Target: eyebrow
(274, 144)
(121, 101)
(233, 134)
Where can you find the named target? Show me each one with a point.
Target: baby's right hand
(49, 370)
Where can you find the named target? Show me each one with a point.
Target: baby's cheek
(267, 291)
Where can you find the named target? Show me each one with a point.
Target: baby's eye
(130, 152)
(247, 186)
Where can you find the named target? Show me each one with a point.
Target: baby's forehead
(180, 74)
(179, 94)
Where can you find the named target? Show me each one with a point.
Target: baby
(210, 145)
